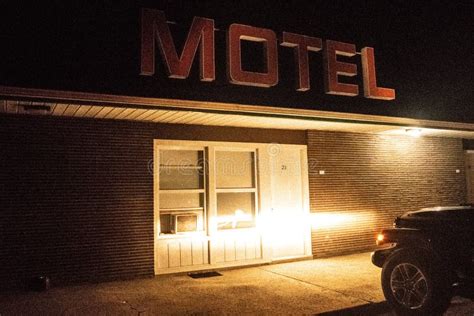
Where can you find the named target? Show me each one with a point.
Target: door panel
(289, 229)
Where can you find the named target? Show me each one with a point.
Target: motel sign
(155, 32)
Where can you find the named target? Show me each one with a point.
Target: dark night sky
(423, 49)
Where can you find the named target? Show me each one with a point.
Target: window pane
(235, 210)
(181, 200)
(180, 178)
(235, 169)
(166, 224)
(181, 157)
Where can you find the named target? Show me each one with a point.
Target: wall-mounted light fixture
(414, 132)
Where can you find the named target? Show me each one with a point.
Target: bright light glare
(330, 220)
(414, 132)
(380, 240)
(239, 216)
(337, 220)
(283, 225)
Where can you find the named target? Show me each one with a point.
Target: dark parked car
(426, 256)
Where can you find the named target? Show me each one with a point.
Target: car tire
(415, 285)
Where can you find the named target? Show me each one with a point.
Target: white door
(289, 215)
(470, 176)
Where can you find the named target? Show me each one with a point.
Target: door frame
(304, 169)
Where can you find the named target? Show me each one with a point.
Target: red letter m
(154, 28)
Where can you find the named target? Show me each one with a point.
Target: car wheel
(413, 286)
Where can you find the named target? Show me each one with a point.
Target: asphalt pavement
(346, 285)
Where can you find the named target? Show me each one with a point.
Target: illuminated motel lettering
(302, 44)
(201, 34)
(334, 68)
(238, 33)
(155, 32)
(371, 90)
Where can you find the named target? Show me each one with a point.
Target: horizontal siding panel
(370, 179)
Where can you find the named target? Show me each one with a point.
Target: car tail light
(380, 239)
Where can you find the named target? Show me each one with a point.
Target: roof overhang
(104, 106)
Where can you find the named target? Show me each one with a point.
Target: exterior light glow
(380, 239)
(337, 220)
(271, 225)
(414, 132)
(239, 216)
(331, 220)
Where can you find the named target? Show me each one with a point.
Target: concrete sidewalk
(302, 288)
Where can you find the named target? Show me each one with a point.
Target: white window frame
(210, 186)
(157, 191)
(255, 189)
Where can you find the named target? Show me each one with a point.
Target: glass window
(181, 200)
(181, 157)
(236, 189)
(235, 210)
(235, 169)
(180, 178)
(182, 196)
(181, 169)
(183, 182)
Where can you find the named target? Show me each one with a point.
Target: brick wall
(76, 195)
(370, 179)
